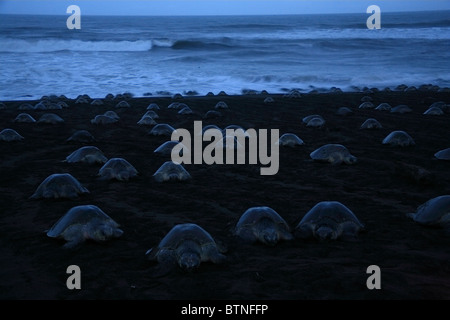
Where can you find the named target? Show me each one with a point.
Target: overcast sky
(214, 7)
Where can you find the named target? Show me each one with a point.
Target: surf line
(234, 141)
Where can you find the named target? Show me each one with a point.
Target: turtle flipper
(73, 244)
(217, 257)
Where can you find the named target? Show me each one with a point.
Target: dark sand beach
(383, 186)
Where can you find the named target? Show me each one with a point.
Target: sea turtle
(268, 100)
(434, 111)
(41, 106)
(371, 123)
(443, 154)
(366, 99)
(171, 171)
(333, 153)
(226, 143)
(84, 222)
(146, 121)
(210, 114)
(82, 100)
(441, 105)
(123, 104)
(109, 97)
(308, 118)
(329, 220)
(383, 107)
(59, 185)
(162, 129)
(399, 138)
(293, 94)
(55, 106)
(112, 114)
(221, 105)
(10, 135)
(235, 129)
(435, 213)
(62, 104)
(24, 118)
(82, 136)
(117, 168)
(402, 108)
(262, 224)
(186, 245)
(87, 154)
(50, 118)
(97, 102)
(153, 106)
(290, 140)
(210, 126)
(177, 105)
(165, 149)
(102, 119)
(344, 111)
(366, 105)
(152, 114)
(25, 106)
(185, 110)
(316, 122)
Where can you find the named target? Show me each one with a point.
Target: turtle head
(105, 232)
(351, 159)
(325, 233)
(189, 261)
(267, 232)
(269, 236)
(188, 255)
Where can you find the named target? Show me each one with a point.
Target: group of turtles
(187, 245)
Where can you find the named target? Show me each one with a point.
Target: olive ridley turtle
(171, 171)
(10, 135)
(434, 212)
(59, 185)
(87, 154)
(84, 222)
(329, 220)
(187, 245)
(399, 138)
(290, 140)
(333, 153)
(262, 224)
(117, 168)
(443, 154)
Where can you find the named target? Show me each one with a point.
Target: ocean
(161, 55)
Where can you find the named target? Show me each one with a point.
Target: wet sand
(381, 188)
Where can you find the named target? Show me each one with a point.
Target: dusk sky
(214, 7)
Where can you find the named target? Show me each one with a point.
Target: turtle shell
(262, 224)
(59, 185)
(162, 129)
(443, 154)
(80, 215)
(333, 153)
(435, 211)
(170, 170)
(117, 168)
(87, 154)
(332, 215)
(399, 138)
(290, 140)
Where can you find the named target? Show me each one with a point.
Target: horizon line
(215, 15)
